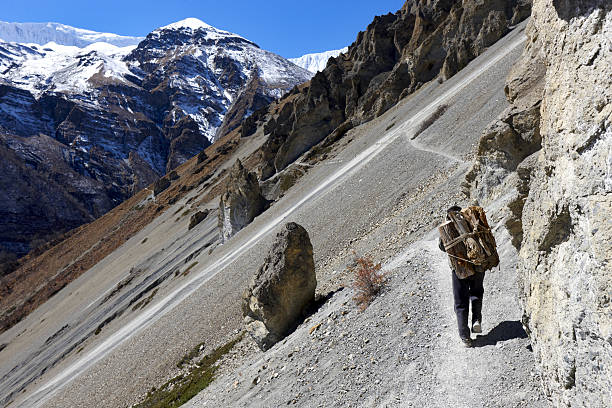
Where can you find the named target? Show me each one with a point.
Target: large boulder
(283, 288)
(241, 202)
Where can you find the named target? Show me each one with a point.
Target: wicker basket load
(469, 242)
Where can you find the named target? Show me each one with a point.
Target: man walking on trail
(465, 291)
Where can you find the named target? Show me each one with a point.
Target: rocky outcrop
(241, 202)
(160, 185)
(396, 55)
(282, 289)
(516, 133)
(561, 95)
(202, 157)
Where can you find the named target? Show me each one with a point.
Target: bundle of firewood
(468, 241)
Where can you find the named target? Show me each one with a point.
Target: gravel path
(402, 351)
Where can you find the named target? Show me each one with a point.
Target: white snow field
(316, 62)
(43, 33)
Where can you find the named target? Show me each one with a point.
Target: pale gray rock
(561, 194)
(566, 254)
(282, 289)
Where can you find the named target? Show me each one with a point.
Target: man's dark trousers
(464, 291)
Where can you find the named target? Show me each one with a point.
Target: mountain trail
(402, 351)
(498, 371)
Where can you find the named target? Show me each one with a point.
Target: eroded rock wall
(551, 153)
(566, 253)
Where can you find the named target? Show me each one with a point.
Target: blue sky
(289, 28)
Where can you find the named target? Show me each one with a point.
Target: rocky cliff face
(566, 255)
(122, 117)
(396, 55)
(562, 193)
(45, 187)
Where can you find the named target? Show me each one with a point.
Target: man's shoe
(467, 342)
(476, 327)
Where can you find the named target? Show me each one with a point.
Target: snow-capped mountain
(317, 61)
(119, 117)
(43, 33)
(214, 65)
(60, 68)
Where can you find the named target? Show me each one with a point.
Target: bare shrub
(430, 120)
(368, 280)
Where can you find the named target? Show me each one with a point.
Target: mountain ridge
(126, 115)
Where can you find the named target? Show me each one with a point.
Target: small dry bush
(368, 280)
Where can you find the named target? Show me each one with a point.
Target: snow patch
(317, 61)
(43, 33)
(191, 23)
